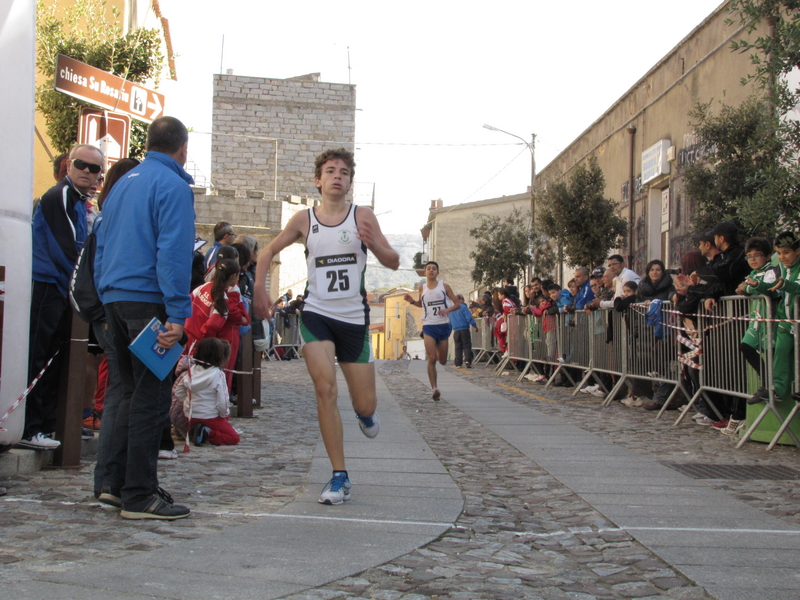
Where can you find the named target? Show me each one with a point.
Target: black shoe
(157, 509)
(468, 365)
(762, 395)
(106, 496)
(164, 495)
(199, 434)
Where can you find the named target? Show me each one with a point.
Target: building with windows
(642, 144)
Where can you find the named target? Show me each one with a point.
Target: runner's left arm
(369, 232)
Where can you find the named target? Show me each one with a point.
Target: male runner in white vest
(334, 323)
(436, 329)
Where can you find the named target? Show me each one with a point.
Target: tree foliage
(738, 177)
(579, 219)
(86, 34)
(751, 174)
(502, 249)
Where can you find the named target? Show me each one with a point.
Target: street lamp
(532, 147)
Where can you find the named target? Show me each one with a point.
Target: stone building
(642, 143)
(266, 135)
(449, 242)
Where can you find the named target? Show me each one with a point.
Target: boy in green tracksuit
(787, 288)
(758, 251)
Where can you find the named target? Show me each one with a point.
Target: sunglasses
(82, 164)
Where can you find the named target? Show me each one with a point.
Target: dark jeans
(143, 407)
(102, 332)
(51, 322)
(463, 343)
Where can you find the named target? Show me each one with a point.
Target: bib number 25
(339, 281)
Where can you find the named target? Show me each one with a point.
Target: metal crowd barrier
(286, 335)
(484, 344)
(645, 348)
(698, 357)
(517, 340)
(784, 428)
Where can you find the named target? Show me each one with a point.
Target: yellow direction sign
(98, 87)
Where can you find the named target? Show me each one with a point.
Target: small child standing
(204, 394)
(547, 310)
(787, 288)
(621, 304)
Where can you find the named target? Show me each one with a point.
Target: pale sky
(429, 75)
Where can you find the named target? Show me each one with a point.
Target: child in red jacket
(218, 310)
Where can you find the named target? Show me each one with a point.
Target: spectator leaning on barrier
(656, 284)
(731, 266)
(620, 276)
(787, 246)
(511, 289)
(758, 251)
(461, 320)
(584, 294)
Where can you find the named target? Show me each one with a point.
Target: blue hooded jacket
(59, 230)
(461, 318)
(146, 243)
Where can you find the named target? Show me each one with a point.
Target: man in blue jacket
(143, 269)
(461, 320)
(59, 229)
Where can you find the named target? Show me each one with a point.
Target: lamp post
(532, 147)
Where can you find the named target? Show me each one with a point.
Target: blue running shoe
(337, 490)
(370, 426)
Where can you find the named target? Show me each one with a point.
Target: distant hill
(379, 277)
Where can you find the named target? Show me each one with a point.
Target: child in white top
(204, 394)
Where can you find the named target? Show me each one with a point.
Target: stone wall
(252, 116)
(289, 267)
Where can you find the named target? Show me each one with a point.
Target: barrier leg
(784, 427)
(257, 362)
(244, 381)
(578, 387)
(610, 396)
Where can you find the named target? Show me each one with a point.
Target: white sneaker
(704, 420)
(598, 393)
(590, 388)
(337, 490)
(632, 402)
(168, 454)
(39, 442)
(370, 426)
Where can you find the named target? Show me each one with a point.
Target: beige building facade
(449, 242)
(645, 139)
(642, 143)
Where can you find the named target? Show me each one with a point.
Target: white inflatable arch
(17, 72)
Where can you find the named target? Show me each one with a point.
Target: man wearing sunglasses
(59, 229)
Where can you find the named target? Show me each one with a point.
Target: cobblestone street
(522, 533)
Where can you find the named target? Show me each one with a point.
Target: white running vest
(432, 302)
(336, 261)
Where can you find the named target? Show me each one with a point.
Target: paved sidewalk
(501, 490)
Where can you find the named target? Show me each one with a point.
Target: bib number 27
(339, 281)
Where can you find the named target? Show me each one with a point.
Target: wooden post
(71, 394)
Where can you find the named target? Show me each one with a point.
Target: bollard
(71, 391)
(244, 380)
